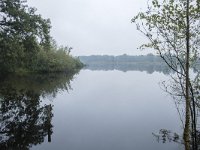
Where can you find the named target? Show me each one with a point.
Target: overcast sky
(94, 26)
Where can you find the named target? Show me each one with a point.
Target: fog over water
(93, 26)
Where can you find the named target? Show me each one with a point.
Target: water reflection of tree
(24, 122)
(165, 135)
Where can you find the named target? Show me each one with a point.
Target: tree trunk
(187, 95)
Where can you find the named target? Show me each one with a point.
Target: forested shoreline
(148, 63)
(120, 59)
(127, 59)
(26, 44)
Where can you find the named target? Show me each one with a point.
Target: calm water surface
(94, 110)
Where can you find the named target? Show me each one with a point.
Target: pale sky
(94, 26)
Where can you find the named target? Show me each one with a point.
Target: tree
(22, 34)
(172, 27)
(26, 44)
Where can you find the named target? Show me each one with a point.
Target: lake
(92, 110)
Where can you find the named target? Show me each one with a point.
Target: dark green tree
(26, 44)
(22, 34)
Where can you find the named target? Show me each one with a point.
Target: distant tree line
(149, 58)
(148, 63)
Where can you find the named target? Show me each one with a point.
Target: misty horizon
(94, 27)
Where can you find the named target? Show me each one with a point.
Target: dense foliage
(25, 41)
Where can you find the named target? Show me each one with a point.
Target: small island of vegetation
(26, 44)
